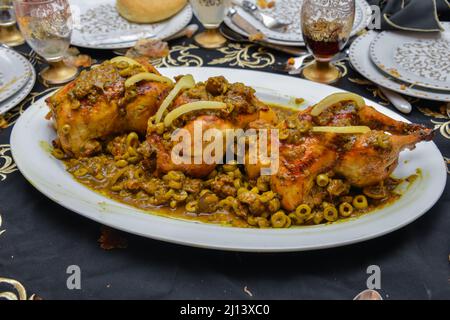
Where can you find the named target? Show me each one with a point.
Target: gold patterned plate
(418, 58)
(360, 59)
(97, 22)
(24, 91)
(32, 133)
(15, 72)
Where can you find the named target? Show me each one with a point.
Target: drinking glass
(211, 14)
(9, 34)
(326, 28)
(47, 28)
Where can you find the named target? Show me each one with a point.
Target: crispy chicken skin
(363, 160)
(366, 163)
(244, 109)
(299, 166)
(96, 106)
(164, 160)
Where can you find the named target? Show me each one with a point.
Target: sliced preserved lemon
(335, 98)
(146, 76)
(343, 130)
(191, 107)
(184, 83)
(376, 192)
(127, 60)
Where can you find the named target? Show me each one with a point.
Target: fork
(299, 65)
(268, 21)
(32, 56)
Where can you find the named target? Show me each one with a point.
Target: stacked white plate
(98, 25)
(289, 10)
(411, 63)
(17, 79)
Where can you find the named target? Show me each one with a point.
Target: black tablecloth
(39, 239)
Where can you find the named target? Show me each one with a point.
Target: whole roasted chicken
(99, 105)
(355, 144)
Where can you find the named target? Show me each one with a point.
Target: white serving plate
(100, 18)
(15, 72)
(420, 58)
(289, 10)
(360, 59)
(49, 176)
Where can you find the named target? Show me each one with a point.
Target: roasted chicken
(97, 106)
(102, 104)
(244, 108)
(361, 159)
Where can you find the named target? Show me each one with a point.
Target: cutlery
(266, 20)
(246, 26)
(397, 100)
(299, 70)
(296, 68)
(242, 23)
(400, 103)
(368, 295)
(298, 65)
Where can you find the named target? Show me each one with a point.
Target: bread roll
(149, 11)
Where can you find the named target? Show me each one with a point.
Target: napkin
(413, 15)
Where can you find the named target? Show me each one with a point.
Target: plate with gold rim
(416, 58)
(360, 59)
(15, 71)
(17, 98)
(50, 177)
(100, 20)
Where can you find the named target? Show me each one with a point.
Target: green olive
(274, 205)
(331, 214)
(345, 209)
(303, 211)
(360, 202)
(191, 206)
(121, 163)
(322, 180)
(66, 129)
(278, 219)
(81, 172)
